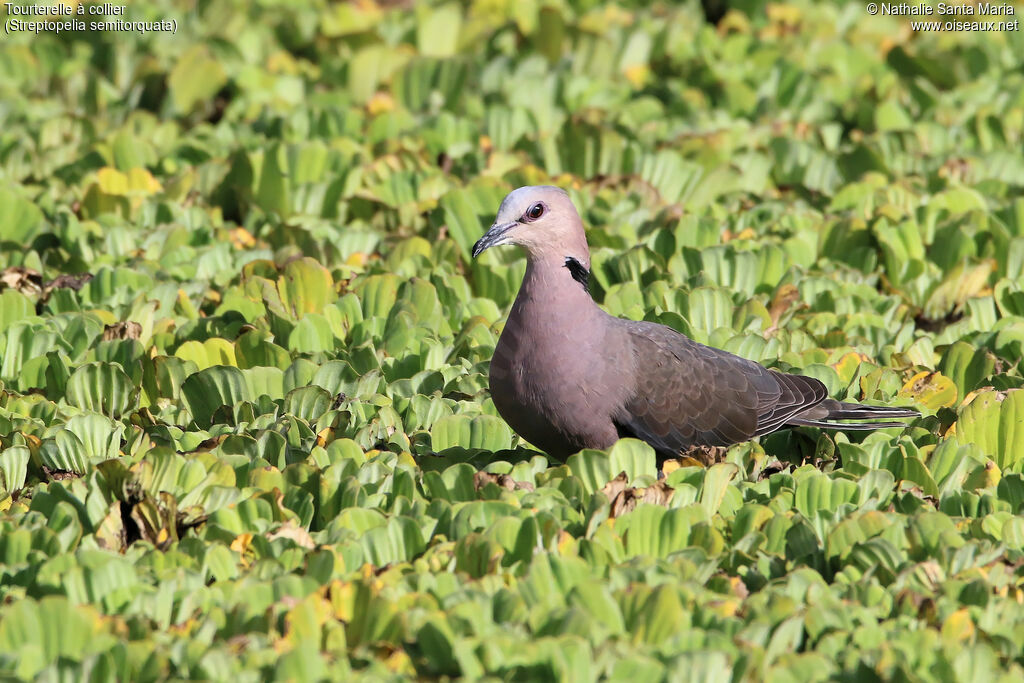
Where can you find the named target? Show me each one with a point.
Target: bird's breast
(540, 360)
(557, 380)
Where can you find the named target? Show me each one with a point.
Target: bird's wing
(687, 394)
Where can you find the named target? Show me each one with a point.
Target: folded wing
(687, 394)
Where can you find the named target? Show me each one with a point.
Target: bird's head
(542, 220)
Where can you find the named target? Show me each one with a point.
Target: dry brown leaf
(482, 479)
(615, 486)
(657, 494)
(296, 533)
(625, 498)
(75, 282)
(123, 330)
(59, 475)
(111, 533)
(156, 519)
(703, 456)
(622, 503)
(739, 588)
(24, 280)
(784, 298)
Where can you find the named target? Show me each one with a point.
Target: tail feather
(825, 413)
(845, 426)
(852, 411)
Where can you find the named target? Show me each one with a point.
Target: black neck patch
(579, 273)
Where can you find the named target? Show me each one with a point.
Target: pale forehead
(518, 201)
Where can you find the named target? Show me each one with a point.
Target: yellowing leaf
(783, 14)
(931, 389)
(744, 234)
(724, 608)
(958, 626)
(206, 354)
(399, 662)
(282, 62)
(342, 596)
(241, 238)
(305, 620)
(346, 18)
(846, 366)
(567, 545)
(960, 285)
(306, 287)
(379, 103)
(112, 181)
(107, 317)
(637, 74)
(241, 543)
(983, 477)
(183, 306)
(734, 21)
(137, 182)
(141, 181)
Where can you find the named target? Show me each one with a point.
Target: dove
(566, 375)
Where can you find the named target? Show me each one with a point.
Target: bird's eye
(535, 211)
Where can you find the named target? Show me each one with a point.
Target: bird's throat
(554, 291)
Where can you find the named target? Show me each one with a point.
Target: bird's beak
(493, 237)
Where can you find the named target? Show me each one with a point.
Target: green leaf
(38, 633)
(716, 483)
(891, 116)
(657, 531)
(967, 366)
(483, 431)
(307, 403)
(596, 468)
(398, 540)
(103, 388)
(378, 294)
(14, 306)
(437, 29)
(14, 467)
(255, 348)
(816, 491)
(272, 193)
(995, 422)
(20, 219)
(206, 391)
(195, 79)
(468, 212)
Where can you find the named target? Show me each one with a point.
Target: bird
(566, 375)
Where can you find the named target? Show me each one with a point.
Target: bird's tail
(825, 413)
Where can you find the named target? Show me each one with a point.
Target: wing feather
(688, 394)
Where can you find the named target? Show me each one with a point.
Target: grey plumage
(566, 375)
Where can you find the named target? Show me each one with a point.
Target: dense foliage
(245, 422)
